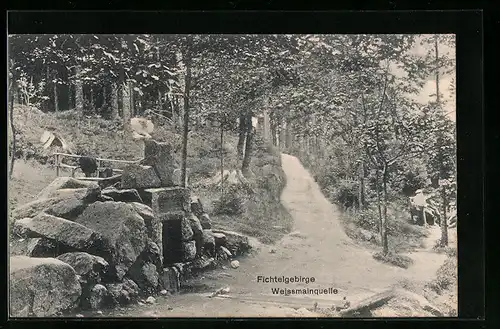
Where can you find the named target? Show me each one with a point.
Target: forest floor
(318, 247)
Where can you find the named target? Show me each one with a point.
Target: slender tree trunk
(222, 159)
(438, 98)
(114, 101)
(444, 221)
(241, 136)
(160, 101)
(385, 243)
(126, 104)
(187, 87)
(245, 167)
(12, 128)
(56, 96)
(379, 206)
(78, 90)
(361, 185)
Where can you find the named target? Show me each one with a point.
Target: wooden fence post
(57, 164)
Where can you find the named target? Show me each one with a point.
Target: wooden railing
(59, 164)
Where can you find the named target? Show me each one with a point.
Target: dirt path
(317, 248)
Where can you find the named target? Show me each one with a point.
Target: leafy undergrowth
(256, 211)
(262, 215)
(394, 259)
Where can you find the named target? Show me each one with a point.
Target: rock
(153, 224)
(151, 254)
(99, 312)
(68, 192)
(79, 316)
(150, 300)
(170, 279)
(167, 200)
(122, 230)
(235, 264)
(220, 238)
(188, 250)
(69, 208)
(123, 293)
(421, 301)
(196, 206)
(272, 251)
(195, 225)
(45, 285)
(237, 243)
(91, 268)
(164, 292)
(34, 247)
(186, 230)
(33, 208)
(208, 242)
(137, 176)
(98, 297)
(61, 230)
(63, 183)
(205, 222)
(369, 303)
(123, 195)
(202, 263)
(297, 234)
(226, 251)
(146, 276)
(159, 156)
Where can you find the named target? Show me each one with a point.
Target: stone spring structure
(135, 235)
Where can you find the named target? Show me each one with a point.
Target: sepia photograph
(232, 175)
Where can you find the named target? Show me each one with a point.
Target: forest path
(318, 247)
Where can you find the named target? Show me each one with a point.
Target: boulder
(34, 247)
(122, 293)
(237, 243)
(202, 263)
(219, 238)
(153, 224)
(122, 230)
(42, 286)
(177, 177)
(188, 250)
(68, 192)
(98, 297)
(137, 176)
(159, 156)
(31, 209)
(146, 277)
(64, 183)
(195, 225)
(145, 270)
(208, 242)
(186, 230)
(197, 206)
(69, 208)
(170, 279)
(205, 221)
(89, 267)
(125, 195)
(63, 231)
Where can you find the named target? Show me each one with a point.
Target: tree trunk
(385, 243)
(56, 96)
(114, 101)
(78, 91)
(379, 206)
(361, 188)
(266, 125)
(126, 104)
(222, 159)
(245, 167)
(241, 137)
(187, 87)
(12, 128)
(438, 98)
(444, 222)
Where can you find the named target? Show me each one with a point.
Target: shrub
(232, 202)
(347, 193)
(446, 276)
(394, 259)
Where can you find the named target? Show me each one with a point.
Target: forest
(345, 105)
